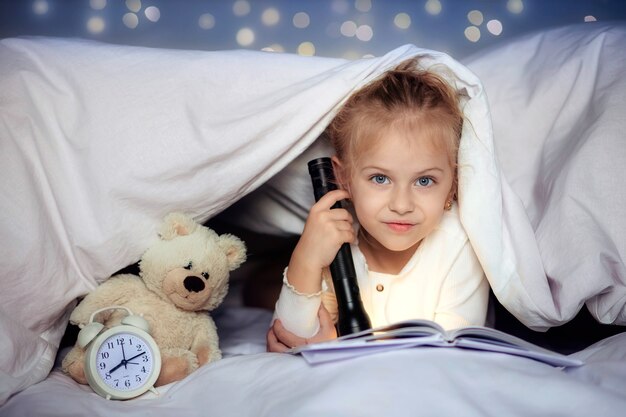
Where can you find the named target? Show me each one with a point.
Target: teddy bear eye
(205, 275)
(189, 265)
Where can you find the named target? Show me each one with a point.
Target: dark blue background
(178, 24)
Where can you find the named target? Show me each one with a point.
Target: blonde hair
(404, 97)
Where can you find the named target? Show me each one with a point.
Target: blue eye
(379, 179)
(424, 181)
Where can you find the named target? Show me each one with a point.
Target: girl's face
(399, 190)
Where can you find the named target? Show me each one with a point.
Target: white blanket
(413, 383)
(98, 142)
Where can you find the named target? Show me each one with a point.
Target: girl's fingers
(285, 337)
(273, 345)
(330, 198)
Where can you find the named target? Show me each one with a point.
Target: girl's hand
(325, 231)
(280, 339)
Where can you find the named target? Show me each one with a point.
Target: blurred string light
(363, 6)
(130, 20)
(475, 17)
(348, 28)
(433, 7)
(245, 36)
(301, 20)
(494, 27)
(270, 17)
(40, 7)
(206, 21)
(340, 6)
(472, 33)
(152, 13)
(241, 8)
(402, 20)
(98, 4)
(353, 19)
(95, 25)
(515, 6)
(306, 49)
(133, 5)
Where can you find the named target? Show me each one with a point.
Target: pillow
(558, 100)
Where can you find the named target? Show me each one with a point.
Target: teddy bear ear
(177, 224)
(234, 248)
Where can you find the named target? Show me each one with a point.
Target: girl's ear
(340, 173)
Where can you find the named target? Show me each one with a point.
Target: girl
(396, 142)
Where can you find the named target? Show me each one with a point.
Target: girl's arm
(280, 339)
(325, 231)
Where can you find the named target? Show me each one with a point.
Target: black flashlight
(352, 315)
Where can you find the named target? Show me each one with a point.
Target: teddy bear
(182, 277)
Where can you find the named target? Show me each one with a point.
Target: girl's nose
(401, 202)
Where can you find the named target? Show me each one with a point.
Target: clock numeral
(120, 340)
(110, 345)
(143, 369)
(117, 382)
(104, 355)
(127, 383)
(137, 378)
(139, 347)
(145, 358)
(107, 376)
(102, 365)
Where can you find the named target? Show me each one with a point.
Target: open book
(416, 333)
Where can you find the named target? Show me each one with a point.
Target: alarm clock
(121, 362)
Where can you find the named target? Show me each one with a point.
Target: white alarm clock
(123, 361)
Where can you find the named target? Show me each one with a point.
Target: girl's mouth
(399, 226)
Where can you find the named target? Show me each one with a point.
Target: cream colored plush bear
(182, 277)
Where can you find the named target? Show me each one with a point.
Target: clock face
(124, 361)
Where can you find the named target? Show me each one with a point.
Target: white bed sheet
(413, 382)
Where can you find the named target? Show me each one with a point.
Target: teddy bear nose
(193, 283)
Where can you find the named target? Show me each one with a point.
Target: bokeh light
(245, 37)
(270, 17)
(97, 4)
(364, 33)
(301, 20)
(130, 20)
(306, 49)
(40, 7)
(515, 6)
(472, 33)
(152, 13)
(133, 5)
(206, 21)
(433, 7)
(348, 28)
(241, 8)
(475, 17)
(340, 6)
(494, 27)
(402, 20)
(335, 28)
(363, 5)
(95, 25)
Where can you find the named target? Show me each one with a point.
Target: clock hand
(123, 356)
(137, 355)
(125, 361)
(117, 366)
